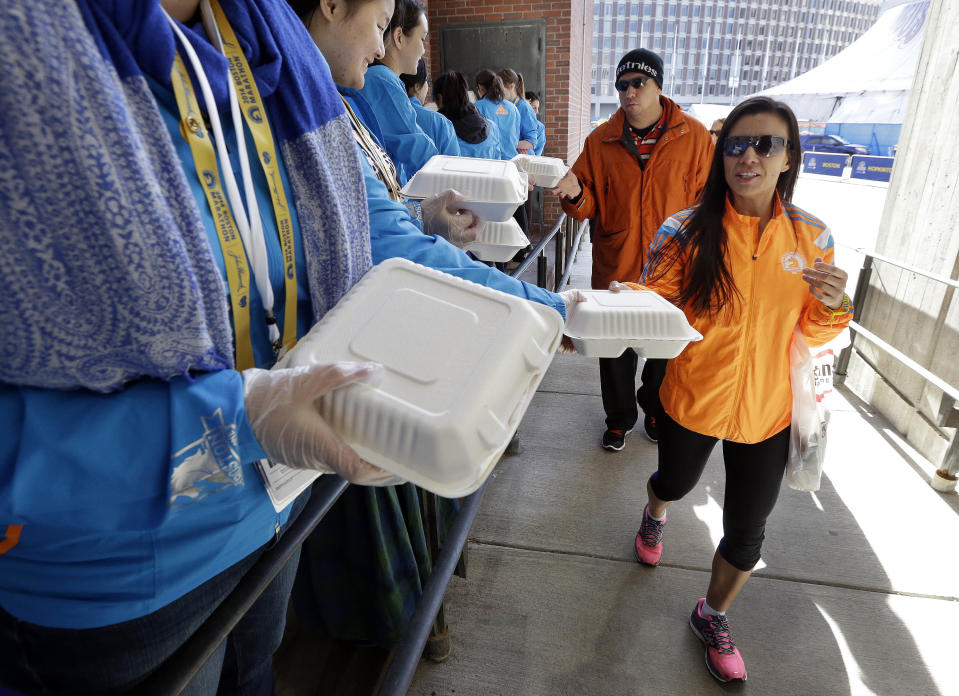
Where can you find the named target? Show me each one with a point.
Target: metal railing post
(559, 263)
(862, 287)
(541, 270)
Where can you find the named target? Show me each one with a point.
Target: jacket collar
(675, 123)
(734, 220)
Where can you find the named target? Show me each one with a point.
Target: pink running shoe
(722, 658)
(649, 539)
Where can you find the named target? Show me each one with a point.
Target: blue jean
(114, 659)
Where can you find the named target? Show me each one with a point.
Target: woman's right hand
(568, 186)
(283, 417)
(443, 217)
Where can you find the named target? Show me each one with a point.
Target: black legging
(754, 474)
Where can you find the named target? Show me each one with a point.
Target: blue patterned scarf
(106, 274)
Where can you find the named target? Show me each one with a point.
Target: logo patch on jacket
(501, 110)
(207, 465)
(793, 262)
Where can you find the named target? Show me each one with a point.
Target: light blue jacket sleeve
(438, 127)
(393, 234)
(527, 122)
(540, 137)
(405, 142)
(62, 449)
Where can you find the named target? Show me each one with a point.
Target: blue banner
(872, 168)
(830, 164)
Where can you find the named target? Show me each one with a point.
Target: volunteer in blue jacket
(533, 99)
(435, 125)
(134, 396)
(476, 134)
(514, 88)
(363, 568)
(404, 41)
(492, 103)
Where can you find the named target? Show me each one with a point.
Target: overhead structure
(868, 82)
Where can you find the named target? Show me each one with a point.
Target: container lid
(507, 233)
(627, 314)
(461, 364)
(541, 167)
(479, 180)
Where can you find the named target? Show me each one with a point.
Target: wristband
(844, 308)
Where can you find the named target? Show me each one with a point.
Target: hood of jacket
(469, 124)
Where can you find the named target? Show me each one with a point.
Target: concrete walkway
(856, 594)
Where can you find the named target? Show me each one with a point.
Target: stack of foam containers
(461, 364)
(542, 171)
(608, 323)
(498, 241)
(494, 189)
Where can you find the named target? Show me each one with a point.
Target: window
(647, 10)
(658, 42)
(696, 11)
(682, 42)
(672, 10)
(658, 27)
(684, 11)
(709, 11)
(620, 26)
(728, 44)
(645, 26)
(669, 42)
(633, 26)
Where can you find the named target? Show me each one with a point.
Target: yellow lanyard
(254, 113)
(234, 256)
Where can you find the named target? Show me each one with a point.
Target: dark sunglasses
(764, 145)
(716, 133)
(635, 83)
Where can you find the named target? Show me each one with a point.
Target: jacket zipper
(746, 335)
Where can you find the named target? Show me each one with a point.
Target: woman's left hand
(827, 283)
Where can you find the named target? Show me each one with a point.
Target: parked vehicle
(831, 143)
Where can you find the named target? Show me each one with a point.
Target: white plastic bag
(807, 437)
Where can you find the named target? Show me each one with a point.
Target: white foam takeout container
(499, 241)
(461, 364)
(542, 171)
(608, 323)
(494, 189)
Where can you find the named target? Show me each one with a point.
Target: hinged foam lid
(627, 314)
(480, 180)
(461, 363)
(542, 171)
(507, 233)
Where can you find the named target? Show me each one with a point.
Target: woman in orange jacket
(747, 267)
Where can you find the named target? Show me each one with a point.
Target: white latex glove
(443, 217)
(570, 298)
(280, 408)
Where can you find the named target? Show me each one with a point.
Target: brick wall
(568, 66)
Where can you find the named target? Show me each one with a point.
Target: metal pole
(541, 270)
(559, 264)
(862, 287)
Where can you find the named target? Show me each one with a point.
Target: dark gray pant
(617, 380)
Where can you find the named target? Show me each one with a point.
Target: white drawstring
(248, 221)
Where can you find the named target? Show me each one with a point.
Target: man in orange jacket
(648, 161)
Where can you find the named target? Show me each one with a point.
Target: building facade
(718, 51)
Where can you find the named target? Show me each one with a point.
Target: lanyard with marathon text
(231, 236)
(254, 113)
(234, 256)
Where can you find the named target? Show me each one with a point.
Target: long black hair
(708, 285)
(406, 15)
(453, 91)
(493, 85)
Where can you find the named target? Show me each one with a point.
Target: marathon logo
(630, 66)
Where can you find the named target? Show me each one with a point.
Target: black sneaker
(652, 430)
(615, 440)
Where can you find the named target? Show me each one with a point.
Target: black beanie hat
(643, 61)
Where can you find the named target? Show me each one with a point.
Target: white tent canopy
(869, 81)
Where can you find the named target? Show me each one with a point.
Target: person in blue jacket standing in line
(533, 99)
(434, 124)
(514, 88)
(477, 135)
(404, 44)
(494, 105)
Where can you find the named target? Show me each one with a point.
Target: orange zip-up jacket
(627, 202)
(734, 384)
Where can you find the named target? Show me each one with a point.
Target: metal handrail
(528, 261)
(175, 674)
(912, 269)
(583, 226)
(407, 656)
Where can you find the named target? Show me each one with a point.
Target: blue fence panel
(872, 168)
(880, 138)
(826, 163)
